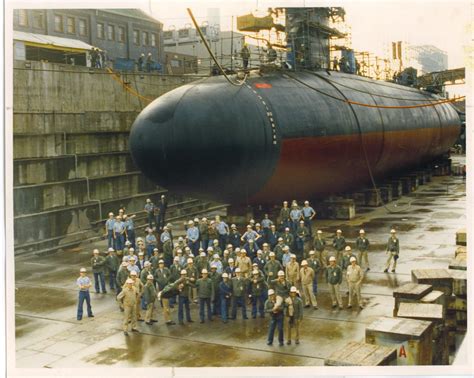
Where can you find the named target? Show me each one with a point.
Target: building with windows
(123, 33)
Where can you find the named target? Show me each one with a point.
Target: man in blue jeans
(225, 292)
(84, 283)
(274, 307)
(109, 230)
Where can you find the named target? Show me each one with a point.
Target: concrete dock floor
(48, 334)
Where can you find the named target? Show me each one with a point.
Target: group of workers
(275, 272)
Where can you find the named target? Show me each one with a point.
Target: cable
(238, 84)
(126, 86)
(372, 105)
(369, 93)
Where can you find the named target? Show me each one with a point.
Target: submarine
(284, 135)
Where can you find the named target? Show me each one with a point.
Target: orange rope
(126, 86)
(405, 106)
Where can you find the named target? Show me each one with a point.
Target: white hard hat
(339, 231)
(133, 273)
(280, 239)
(392, 231)
(304, 262)
(237, 270)
(127, 243)
(225, 275)
(176, 258)
(361, 232)
(202, 254)
(124, 263)
(216, 256)
(183, 271)
(147, 263)
(110, 250)
(95, 251)
(133, 249)
(348, 248)
(204, 271)
(259, 252)
(190, 222)
(190, 261)
(231, 260)
(140, 253)
(271, 292)
(312, 252)
(213, 266)
(272, 254)
(155, 249)
(293, 256)
(149, 277)
(210, 249)
(83, 270)
(125, 259)
(180, 238)
(332, 258)
(281, 273)
(293, 290)
(265, 244)
(319, 232)
(132, 258)
(352, 259)
(160, 262)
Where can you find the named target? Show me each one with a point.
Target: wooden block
(457, 304)
(459, 282)
(459, 263)
(440, 279)
(362, 354)
(372, 198)
(461, 237)
(421, 311)
(461, 250)
(411, 337)
(412, 290)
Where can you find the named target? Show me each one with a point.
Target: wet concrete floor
(48, 334)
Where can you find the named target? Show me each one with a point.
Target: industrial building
(201, 156)
(123, 33)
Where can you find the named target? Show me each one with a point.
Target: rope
(127, 87)
(372, 105)
(237, 84)
(369, 93)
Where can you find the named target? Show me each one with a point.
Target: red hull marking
(316, 166)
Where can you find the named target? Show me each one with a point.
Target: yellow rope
(126, 86)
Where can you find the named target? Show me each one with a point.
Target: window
(121, 34)
(82, 27)
(136, 37)
(146, 42)
(111, 32)
(58, 23)
(100, 31)
(71, 25)
(38, 19)
(23, 17)
(153, 39)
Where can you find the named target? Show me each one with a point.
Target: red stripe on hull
(316, 166)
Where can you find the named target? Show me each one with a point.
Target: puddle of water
(41, 300)
(435, 228)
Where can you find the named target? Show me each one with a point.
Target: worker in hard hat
(293, 315)
(84, 283)
(362, 244)
(339, 243)
(334, 280)
(354, 277)
(245, 55)
(205, 293)
(393, 249)
(129, 299)
(274, 307)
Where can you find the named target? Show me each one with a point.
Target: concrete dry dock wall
(70, 147)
